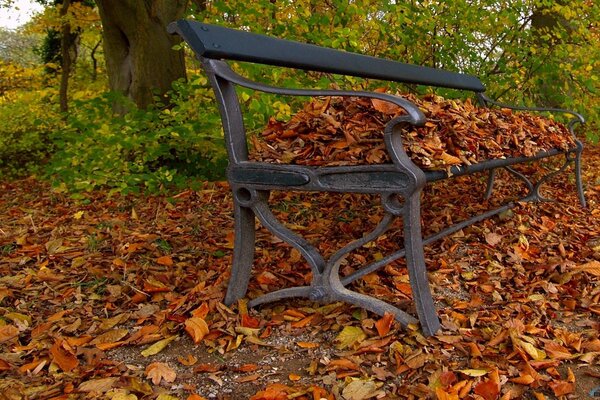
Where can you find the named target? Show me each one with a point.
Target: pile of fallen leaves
(349, 130)
(120, 297)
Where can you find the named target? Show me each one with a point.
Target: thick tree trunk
(138, 49)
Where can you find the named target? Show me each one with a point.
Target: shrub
(149, 149)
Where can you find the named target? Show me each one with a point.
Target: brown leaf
(493, 238)
(101, 385)
(8, 332)
(556, 351)
(159, 371)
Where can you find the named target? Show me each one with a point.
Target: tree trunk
(65, 49)
(137, 48)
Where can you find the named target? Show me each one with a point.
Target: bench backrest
(217, 42)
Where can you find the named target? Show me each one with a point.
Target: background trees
(531, 52)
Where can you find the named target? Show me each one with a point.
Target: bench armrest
(578, 118)
(220, 68)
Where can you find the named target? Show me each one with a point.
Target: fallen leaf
(157, 347)
(101, 385)
(8, 332)
(384, 324)
(349, 336)
(474, 372)
(197, 328)
(187, 361)
(360, 389)
(274, 391)
(487, 389)
(561, 388)
(159, 371)
(592, 267)
(62, 357)
(165, 260)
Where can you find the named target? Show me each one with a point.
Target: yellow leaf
(530, 349)
(78, 214)
(165, 396)
(157, 347)
(349, 336)
(122, 395)
(473, 372)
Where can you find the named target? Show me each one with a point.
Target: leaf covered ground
(120, 297)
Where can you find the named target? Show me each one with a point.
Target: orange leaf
(342, 363)
(250, 322)
(307, 345)
(275, 391)
(201, 312)
(195, 396)
(197, 328)
(303, 322)
(441, 394)
(523, 379)
(592, 267)
(384, 324)
(247, 368)
(63, 358)
(294, 377)
(158, 372)
(560, 388)
(487, 389)
(190, 359)
(4, 366)
(165, 260)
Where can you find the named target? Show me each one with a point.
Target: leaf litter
(86, 288)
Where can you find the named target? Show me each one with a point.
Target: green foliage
(153, 149)
(28, 122)
(49, 51)
(497, 40)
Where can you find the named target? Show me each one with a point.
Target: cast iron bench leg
(243, 253)
(415, 262)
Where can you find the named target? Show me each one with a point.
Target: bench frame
(251, 182)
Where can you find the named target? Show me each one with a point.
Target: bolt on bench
(252, 181)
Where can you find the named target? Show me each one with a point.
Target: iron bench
(251, 181)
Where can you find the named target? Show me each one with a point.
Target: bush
(26, 127)
(153, 149)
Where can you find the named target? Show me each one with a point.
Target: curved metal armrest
(221, 69)
(578, 117)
